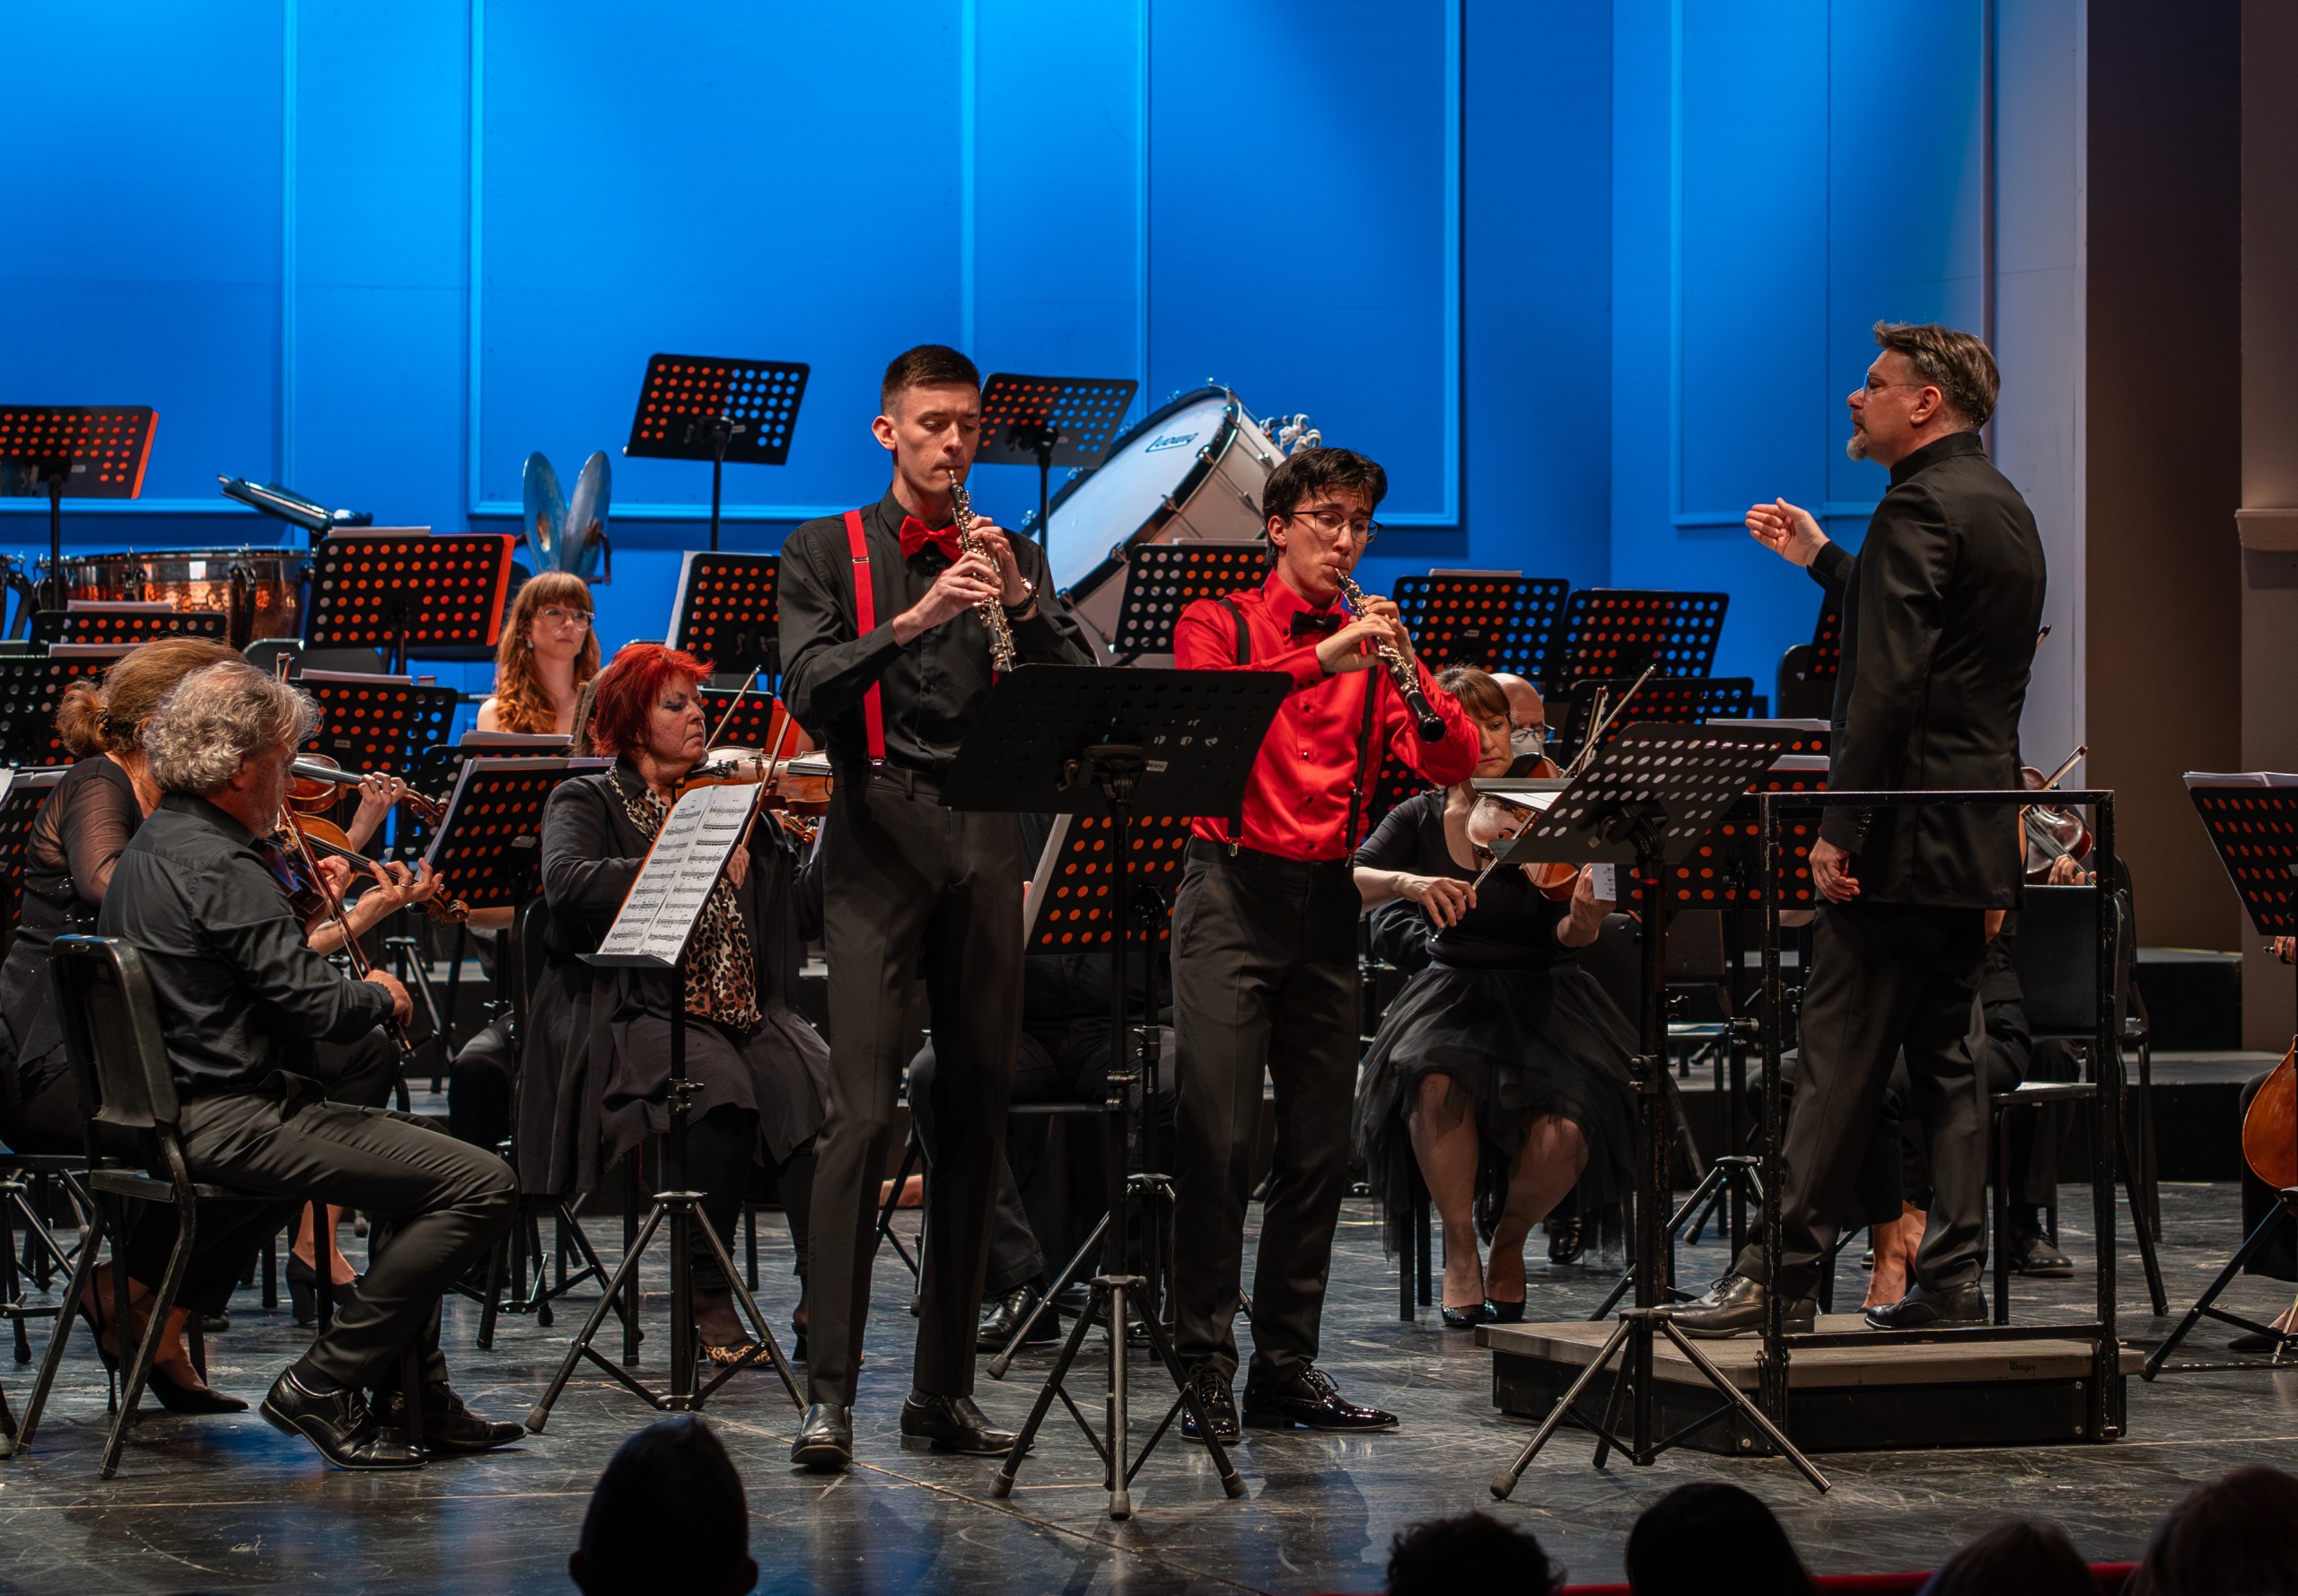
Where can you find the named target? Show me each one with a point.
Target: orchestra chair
(29, 1185)
(2052, 945)
(119, 1062)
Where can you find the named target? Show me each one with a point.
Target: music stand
(1677, 700)
(2252, 819)
(125, 625)
(21, 792)
(757, 719)
(726, 612)
(1080, 740)
(1612, 632)
(97, 452)
(1493, 619)
(703, 406)
(402, 593)
(1647, 800)
(491, 843)
(1827, 644)
(650, 935)
(1163, 579)
(376, 723)
(1048, 421)
(31, 687)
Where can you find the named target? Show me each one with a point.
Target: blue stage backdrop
(1587, 279)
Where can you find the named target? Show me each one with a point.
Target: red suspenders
(865, 621)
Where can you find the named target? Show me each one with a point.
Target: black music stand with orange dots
(718, 408)
(2252, 819)
(726, 612)
(1615, 631)
(1680, 700)
(1495, 620)
(127, 625)
(377, 723)
(756, 722)
(21, 792)
(405, 593)
(1048, 421)
(84, 452)
(31, 687)
(1163, 579)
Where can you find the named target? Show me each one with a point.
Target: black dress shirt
(932, 691)
(77, 839)
(1513, 925)
(242, 996)
(1940, 611)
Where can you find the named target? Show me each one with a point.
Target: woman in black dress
(592, 1083)
(1502, 1056)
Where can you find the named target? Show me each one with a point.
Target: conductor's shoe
(825, 1437)
(1310, 1400)
(2032, 1253)
(449, 1428)
(1005, 1316)
(340, 1423)
(1734, 1306)
(1212, 1389)
(1922, 1309)
(951, 1424)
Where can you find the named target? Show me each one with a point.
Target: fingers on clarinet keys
(825, 1437)
(951, 1424)
(340, 1423)
(1922, 1309)
(1218, 1405)
(1734, 1306)
(1310, 1400)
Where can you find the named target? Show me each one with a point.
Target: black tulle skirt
(1516, 1044)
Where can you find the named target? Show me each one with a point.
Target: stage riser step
(1869, 1418)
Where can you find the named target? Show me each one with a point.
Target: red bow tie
(915, 535)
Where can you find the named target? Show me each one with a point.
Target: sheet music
(2241, 778)
(684, 864)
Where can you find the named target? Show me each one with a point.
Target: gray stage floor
(229, 1504)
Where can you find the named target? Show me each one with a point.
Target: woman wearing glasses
(549, 651)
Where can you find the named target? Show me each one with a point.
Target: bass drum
(260, 590)
(1192, 470)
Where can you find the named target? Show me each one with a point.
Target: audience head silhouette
(668, 1514)
(1675, 1548)
(2018, 1558)
(2239, 1534)
(1472, 1552)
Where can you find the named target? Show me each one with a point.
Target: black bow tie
(1321, 623)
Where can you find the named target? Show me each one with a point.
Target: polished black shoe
(449, 1428)
(1922, 1309)
(190, 1398)
(340, 1423)
(1466, 1318)
(1308, 1400)
(951, 1424)
(1212, 1389)
(825, 1437)
(1005, 1316)
(1735, 1305)
(1500, 1312)
(2032, 1253)
(1567, 1238)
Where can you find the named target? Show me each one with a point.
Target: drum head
(1129, 491)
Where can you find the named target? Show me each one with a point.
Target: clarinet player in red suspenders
(886, 643)
(1265, 940)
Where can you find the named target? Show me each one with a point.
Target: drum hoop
(1208, 461)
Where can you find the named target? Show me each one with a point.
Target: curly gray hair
(215, 718)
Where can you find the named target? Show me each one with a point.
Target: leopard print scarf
(721, 969)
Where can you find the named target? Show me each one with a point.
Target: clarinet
(1001, 652)
(1400, 672)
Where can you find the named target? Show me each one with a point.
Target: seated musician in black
(240, 997)
(594, 1079)
(1502, 1055)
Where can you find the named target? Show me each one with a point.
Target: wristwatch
(1028, 602)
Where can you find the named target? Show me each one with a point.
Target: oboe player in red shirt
(1264, 941)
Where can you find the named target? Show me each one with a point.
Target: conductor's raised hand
(958, 589)
(1788, 530)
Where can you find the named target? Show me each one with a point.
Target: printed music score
(689, 855)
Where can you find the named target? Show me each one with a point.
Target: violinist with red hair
(594, 1078)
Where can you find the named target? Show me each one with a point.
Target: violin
(315, 783)
(2052, 833)
(1497, 816)
(295, 829)
(794, 791)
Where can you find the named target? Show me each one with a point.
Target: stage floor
(230, 1505)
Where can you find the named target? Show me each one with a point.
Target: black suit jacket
(1939, 612)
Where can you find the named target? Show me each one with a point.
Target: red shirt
(1297, 801)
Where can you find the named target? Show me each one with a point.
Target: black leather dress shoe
(951, 1424)
(1005, 1316)
(1309, 1400)
(340, 1423)
(825, 1437)
(2032, 1253)
(449, 1429)
(1734, 1306)
(1220, 1409)
(1923, 1307)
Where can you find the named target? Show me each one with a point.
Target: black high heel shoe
(302, 1291)
(190, 1398)
(1500, 1312)
(1468, 1317)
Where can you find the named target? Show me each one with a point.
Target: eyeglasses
(1331, 521)
(1874, 386)
(552, 614)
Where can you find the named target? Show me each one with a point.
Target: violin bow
(1604, 721)
(727, 719)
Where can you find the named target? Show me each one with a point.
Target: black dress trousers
(1264, 984)
(912, 889)
(1886, 976)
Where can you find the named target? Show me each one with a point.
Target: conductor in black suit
(1940, 611)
